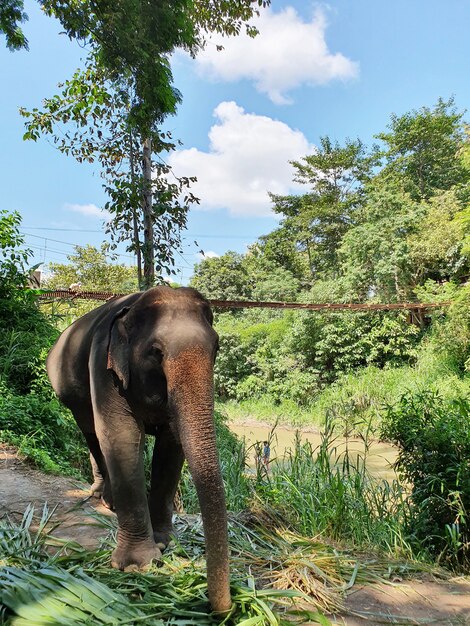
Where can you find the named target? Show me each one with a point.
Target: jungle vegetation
(387, 223)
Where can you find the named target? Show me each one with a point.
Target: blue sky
(339, 69)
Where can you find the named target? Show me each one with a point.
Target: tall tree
(421, 149)
(88, 119)
(375, 253)
(131, 41)
(319, 219)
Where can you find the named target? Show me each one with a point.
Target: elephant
(143, 364)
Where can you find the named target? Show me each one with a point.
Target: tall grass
(324, 491)
(328, 491)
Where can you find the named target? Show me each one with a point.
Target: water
(380, 459)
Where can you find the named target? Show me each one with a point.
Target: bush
(335, 343)
(25, 331)
(433, 437)
(44, 431)
(452, 334)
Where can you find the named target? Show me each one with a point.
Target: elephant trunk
(190, 388)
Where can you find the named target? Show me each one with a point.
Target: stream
(380, 457)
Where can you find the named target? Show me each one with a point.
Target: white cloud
(287, 53)
(208, 254)
(248, 156)
(89, 210)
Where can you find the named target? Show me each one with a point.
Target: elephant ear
(118, 348)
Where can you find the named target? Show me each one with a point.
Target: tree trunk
(135, 222)
(148, 250)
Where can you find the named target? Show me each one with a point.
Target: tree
(422, 147)
(280, 248)
(319, 219)
(17, 306)
(92, 269)
(88, 120)
(375, 256)
(11, 16)
(222, 278)
(251, 276)
(437, 248)
(130, 42)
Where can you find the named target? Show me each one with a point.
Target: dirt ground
(439, 603)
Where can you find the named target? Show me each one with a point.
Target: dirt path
(21, 485)
(438, 603)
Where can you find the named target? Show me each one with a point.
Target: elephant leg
(122, 442)
(101, 487)
(167, 462)
(83, 414)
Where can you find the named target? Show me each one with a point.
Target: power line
(64, 230)
(68, 243)
(84, 230)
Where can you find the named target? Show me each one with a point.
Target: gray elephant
(143, 363)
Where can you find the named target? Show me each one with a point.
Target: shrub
(433, 437)
(43, 430)
(336, 343)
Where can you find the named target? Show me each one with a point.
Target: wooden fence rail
(67, 294)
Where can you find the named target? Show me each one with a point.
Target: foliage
(341, 342)
(253, 276)
(43, 431)
(119, 100)
(452, 334)
(25, 330)
(91, 268)
(133, 39)
(375, 253)
(11, 16)
(222, 277)
(317, 220)
(421, 149)
(89, 120)
(436, 248)
(13, 260)
(433, 437)
(293, 356)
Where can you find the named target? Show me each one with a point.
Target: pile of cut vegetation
(278, 577)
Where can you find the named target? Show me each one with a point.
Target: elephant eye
(156, 353)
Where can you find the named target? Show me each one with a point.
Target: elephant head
(162, 349)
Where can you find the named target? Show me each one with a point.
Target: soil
(20, 485)
(423, 601)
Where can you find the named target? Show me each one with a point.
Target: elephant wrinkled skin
(143, 363)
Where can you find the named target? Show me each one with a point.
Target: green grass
(69, 585)
(278, 577)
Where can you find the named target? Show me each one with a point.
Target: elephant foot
(96, 490)
(107, 496)
(162, 538)
(102, 489)
(136, 557)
